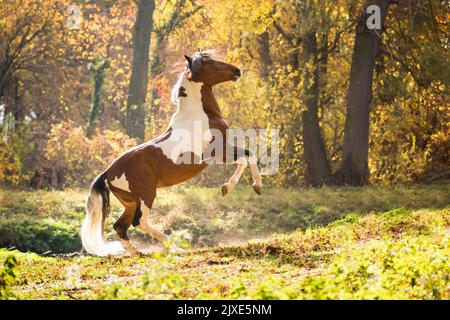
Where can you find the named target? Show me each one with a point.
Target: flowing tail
(97, 209)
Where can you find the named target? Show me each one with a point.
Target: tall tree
(308, 58)
(21, 45)
(314, 153)
(137, 92)
(354, 169)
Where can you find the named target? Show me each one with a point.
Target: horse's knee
(252, 160)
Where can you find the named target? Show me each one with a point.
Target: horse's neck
(189, 109)
(199, 100)
(209, 102)
(190, 104)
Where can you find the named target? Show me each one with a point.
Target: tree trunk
(318, 169)
(354, 169)
(264, 53)
(135, 118)
(13, 101)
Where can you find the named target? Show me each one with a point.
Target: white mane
(176, 87)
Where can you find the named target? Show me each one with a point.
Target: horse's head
(203, 68)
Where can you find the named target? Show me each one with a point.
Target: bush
(82, 158)
(15, 150)
(39, 236)
(8, 276)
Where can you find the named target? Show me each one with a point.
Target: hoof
(131, 248)
(257, 188)
(139, 254)
(224, 190)
(134, 252)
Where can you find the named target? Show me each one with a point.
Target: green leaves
(28, 234)
(98, 73)
(8, 275)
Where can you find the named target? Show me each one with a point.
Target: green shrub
(8, 276)
(27, 234)
(397, 213)
(348, 219)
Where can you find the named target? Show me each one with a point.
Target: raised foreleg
(256, 175)
(242, 157)
(228, 186)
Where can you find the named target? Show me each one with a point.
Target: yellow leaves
(411, 84)
(12, 148)
(81, 157)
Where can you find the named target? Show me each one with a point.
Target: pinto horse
(134, 177)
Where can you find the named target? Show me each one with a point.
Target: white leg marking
(121, 183)
(144, 225)
(130, 247)
(227, 187)
(256, 175)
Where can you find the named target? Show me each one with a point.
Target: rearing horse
(135, 176)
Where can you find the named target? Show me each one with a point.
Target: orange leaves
(13, 147)
(68, 148)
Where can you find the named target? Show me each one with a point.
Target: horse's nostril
(237, 72)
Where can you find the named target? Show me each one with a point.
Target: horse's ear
(188, 60)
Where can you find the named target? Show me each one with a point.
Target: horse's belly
(177, 173)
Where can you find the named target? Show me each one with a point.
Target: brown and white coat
(135, 176)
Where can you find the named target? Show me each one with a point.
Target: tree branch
(280, 30)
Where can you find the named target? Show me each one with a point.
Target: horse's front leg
(232, 182)
(256, 175)
(243, 157)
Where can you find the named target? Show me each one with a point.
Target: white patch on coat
(190, 124)
(232, 182)
(255, 171)
(121, 183)
(144, 225)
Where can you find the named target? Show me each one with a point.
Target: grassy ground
(372, 243)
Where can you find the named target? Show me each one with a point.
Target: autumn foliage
(80, 157)
(46, 81)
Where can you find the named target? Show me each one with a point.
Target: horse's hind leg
(122, 225)
(141, 221)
